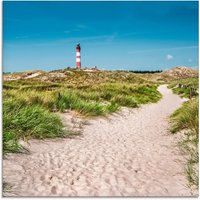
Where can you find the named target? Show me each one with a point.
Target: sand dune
(130, 153)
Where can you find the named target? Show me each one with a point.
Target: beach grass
(21, 121)
(186, 119)
(187, 84)
(29, 104)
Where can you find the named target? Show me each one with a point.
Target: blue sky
(113, 35)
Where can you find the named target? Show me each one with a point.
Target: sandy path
(128, 154)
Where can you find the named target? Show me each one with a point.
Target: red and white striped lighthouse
(78, 56)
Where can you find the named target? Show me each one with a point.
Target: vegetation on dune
(183, 87)
(186, 119)
(94, 100)
(187, 81)
(73, 77)
(21, 121)
(28, 103)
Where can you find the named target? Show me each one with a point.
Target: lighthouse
(78, 56)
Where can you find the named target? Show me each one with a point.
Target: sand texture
(129, 153)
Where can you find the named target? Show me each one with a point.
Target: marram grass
(27, 121)
(28, 104)
(186, 119)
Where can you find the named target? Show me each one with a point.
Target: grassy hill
(30, 99)
(83, 91)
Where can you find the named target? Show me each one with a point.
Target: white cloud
(169, 57)
(189, 60)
